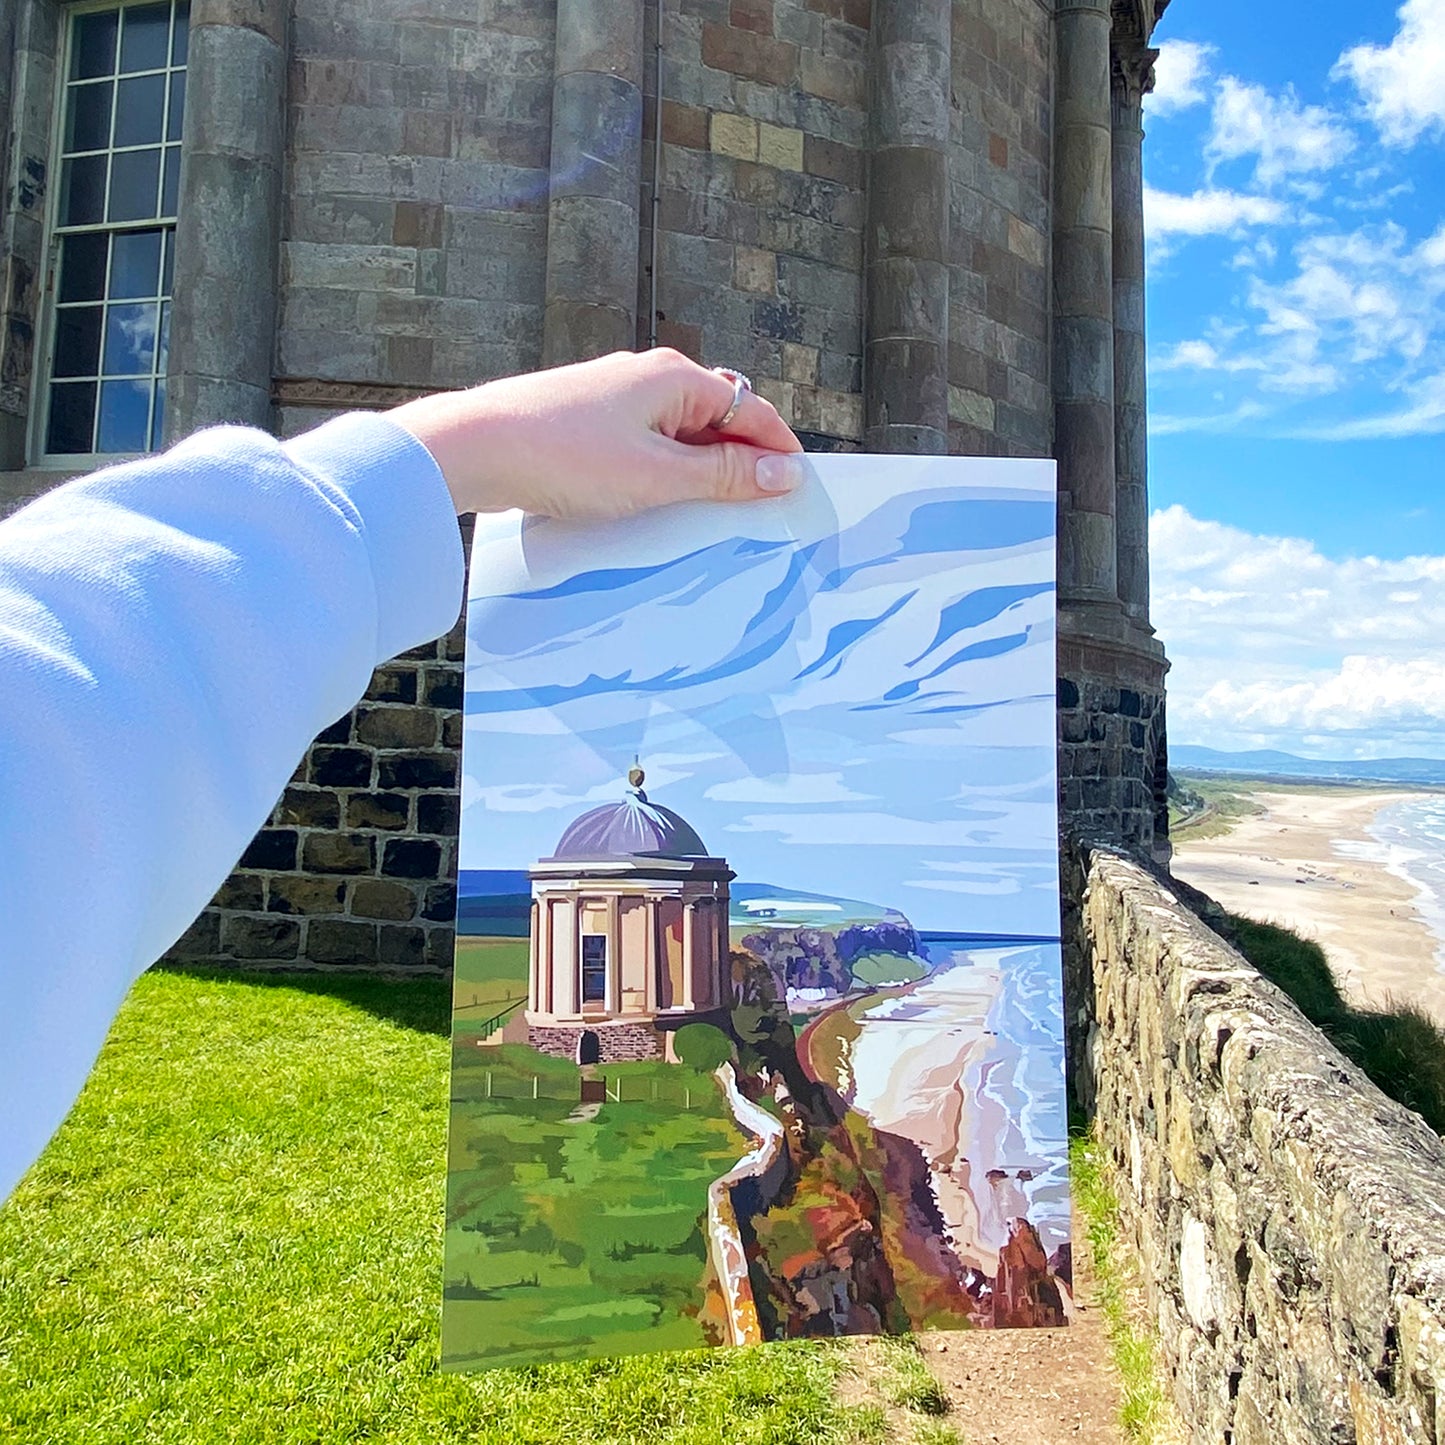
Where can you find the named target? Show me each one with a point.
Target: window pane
(88, 126)
(82, 267)
(145, 37)
(124, 416)
(139, 110)
(93, 50)
(182, 35)
(168, 267)
(130, 339)
(158, 417)
(133, 179)
(82, 191)
(178, 106)
(163, 350)
(171, 190)
(72, 417)
(135, 265)
(77, 340)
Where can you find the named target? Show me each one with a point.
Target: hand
(604, 438)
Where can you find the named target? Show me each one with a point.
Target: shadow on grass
(422, 1004)
(1400, 1047)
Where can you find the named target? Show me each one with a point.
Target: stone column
(30, 33)
(613, 1003)
(1133, 77)
(906, 347)
(596, 175)
(1083, 327)
(228, 229)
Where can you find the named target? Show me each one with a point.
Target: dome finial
(635, 776)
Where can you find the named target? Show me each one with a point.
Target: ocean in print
(757, 1014)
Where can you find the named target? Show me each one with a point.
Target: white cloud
(1284, 136)
(1363, 308)
(1166, 424)
(1402, 84)
(1274, 643)
(1208, 212)
(795, 788)
(1179, 76)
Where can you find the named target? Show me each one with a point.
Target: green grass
(1218, 804)
(237, 1237)
(574, 1236)
(1145, 1412)
(1400, 1047)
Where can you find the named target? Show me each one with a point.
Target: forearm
(173, 632)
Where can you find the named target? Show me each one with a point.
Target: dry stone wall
(1288, 1218)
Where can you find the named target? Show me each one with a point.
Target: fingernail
(779, 474)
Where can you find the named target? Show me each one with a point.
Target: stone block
(733, 135)
(381, 898)
(596, 137)
(442, 687)
(441, 903)
(837, 162)
(334, 767)
(272, 848)
(756, 57)
(835, 78)
(341, 941)
(339, 853)
(438, 813)
(304, 895)
(393, 684)
(684, 125)
(780, 146)
(970, 407)
(201, 940)
(401, 947)
(262, 939)
(411, 858)
(396, 727)
(754, 15)
(242, 892)
(388, 811)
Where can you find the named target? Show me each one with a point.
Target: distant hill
(1424, 772)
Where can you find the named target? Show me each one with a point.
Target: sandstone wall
(1288, 1218)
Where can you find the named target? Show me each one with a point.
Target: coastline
(1310, 863)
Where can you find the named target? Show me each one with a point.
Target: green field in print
(575, 1228)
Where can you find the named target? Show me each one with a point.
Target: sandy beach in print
(1323, 864)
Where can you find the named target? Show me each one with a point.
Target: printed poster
(758, 1027)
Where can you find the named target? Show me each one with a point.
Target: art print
(758, 1022)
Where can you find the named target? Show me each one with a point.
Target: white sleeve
(173, 633)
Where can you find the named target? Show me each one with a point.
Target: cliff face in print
(775, 1049)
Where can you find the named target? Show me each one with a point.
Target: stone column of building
(228, 228)
(1083, 297)
(1133, 77)
(596, 170)
(906, 346)
(29, 43)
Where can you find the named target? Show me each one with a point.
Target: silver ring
(741, 387)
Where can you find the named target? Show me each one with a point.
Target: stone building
(916, 224)
(629, 936)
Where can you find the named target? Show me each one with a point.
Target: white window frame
(41, 379)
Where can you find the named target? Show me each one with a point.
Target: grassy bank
(237, 1237)
(1146, 1415)
(1401, 1048)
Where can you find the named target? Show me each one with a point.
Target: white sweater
(173, 633)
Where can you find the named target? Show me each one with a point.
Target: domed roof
(630, 827)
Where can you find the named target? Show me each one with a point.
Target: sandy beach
(1284, 866)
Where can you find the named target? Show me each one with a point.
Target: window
(594, 967)
(114, 229)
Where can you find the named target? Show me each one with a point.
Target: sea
(1408, 839)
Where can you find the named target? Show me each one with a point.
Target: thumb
(724, 471)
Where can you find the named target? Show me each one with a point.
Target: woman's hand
(604, 438)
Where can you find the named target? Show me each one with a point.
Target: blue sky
(847, 692)
(1295, 206)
